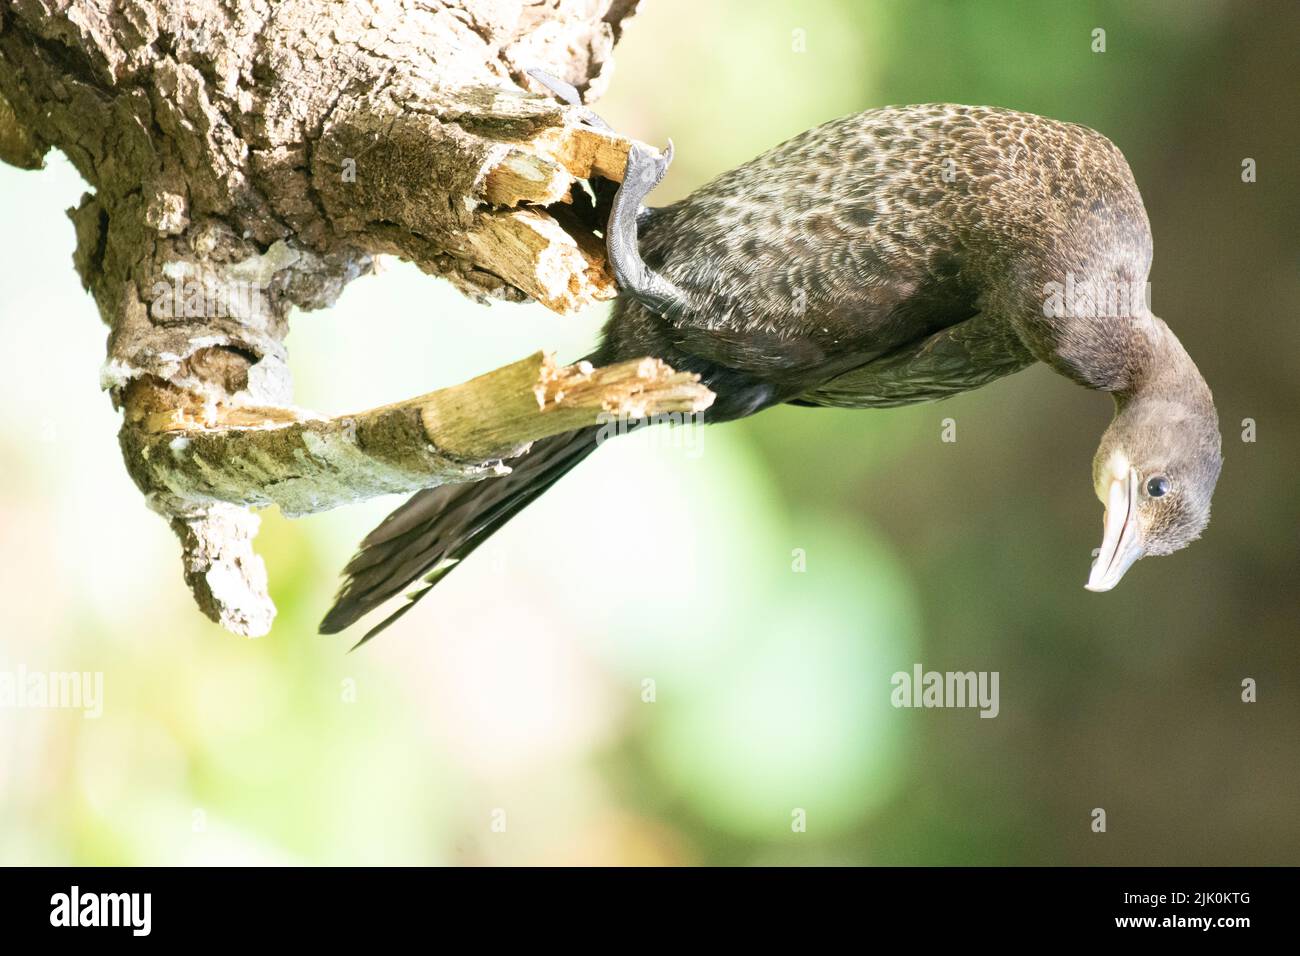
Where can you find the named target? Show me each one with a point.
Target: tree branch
(203, 465)
(248, 157)
(188, 454)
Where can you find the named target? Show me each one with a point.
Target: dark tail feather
(438, 527)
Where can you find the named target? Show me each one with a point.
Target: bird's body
(870, 234)
(897, 256)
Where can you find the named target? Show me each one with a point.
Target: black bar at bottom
(337, 906)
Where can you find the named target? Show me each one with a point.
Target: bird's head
(1155, 472)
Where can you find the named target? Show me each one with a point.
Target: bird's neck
(1142, 364)
(1131, 357)
(1161, 367)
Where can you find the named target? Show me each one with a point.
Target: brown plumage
(897, 256)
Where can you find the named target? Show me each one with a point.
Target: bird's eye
(1157, 486)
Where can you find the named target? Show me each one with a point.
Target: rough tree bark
(247, 157)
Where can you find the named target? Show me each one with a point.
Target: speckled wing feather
(962, 357)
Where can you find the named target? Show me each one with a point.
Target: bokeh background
(517, 692)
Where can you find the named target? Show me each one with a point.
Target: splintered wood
(305, 463)
(632, 389)
(542, 170)
(532, 252)
(528, 248)
(534, 398)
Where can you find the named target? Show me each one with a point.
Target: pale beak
(1122, 544)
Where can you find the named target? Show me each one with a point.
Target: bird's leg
(645, 169)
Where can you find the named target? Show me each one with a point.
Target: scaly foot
(645, 170)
